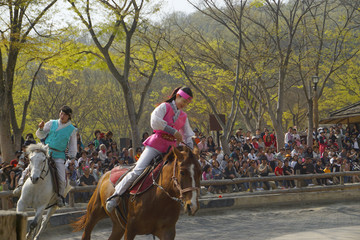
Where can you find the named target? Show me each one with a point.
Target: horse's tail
(80, 224)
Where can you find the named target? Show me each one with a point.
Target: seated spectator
(279, 172)
(102, 153)
(138, 153)
(128, 160)
(202, 145)
(264, 170)
(235, 154)
(114, 149)
(230, 173)
(84, 158)
(224, 162)
(202, 160)
(71, 174)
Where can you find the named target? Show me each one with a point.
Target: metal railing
(298, 178)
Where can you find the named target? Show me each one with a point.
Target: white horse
(38, 191)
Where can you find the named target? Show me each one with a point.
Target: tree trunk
(224, 143)
(7, 148)
(310, 124)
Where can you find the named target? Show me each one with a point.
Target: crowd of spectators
(256, 155)
(251, 155)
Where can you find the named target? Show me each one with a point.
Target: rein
(177, 184)
(43, 169)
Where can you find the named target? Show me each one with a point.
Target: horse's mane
(37, 147)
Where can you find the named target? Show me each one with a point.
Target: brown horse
(155, 211)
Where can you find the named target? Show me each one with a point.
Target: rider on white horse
(60, 135)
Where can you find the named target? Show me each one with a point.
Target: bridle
(44, 166)
(177, 185)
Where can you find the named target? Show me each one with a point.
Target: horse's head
(186, 177)
(38, 154)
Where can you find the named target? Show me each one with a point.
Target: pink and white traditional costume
(166, 119)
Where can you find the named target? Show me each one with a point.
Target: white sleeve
(41, 134)
(72, 145)
(157, 121)
(187, 133)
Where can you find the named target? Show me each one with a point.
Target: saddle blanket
(142, 183)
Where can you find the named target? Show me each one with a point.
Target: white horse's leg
(34, 223)
(21, 206)
(45, 221)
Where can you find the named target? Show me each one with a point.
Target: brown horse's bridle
(177, 185)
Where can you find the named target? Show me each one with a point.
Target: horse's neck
(166, 181)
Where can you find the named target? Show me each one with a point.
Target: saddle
(144, 181)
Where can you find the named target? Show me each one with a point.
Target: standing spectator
(319, 169)
(253, 171)
(86, 180)
(288, 136)
(197, 135)
(279, 172)
(29, 139)
(211, 144)
(287, 170)
(108, 139)
(97, 138)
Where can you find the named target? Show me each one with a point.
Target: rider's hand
(41, 125)
(178, 137)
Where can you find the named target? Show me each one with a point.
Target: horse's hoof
(33, 225)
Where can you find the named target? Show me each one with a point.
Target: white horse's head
(38, 154)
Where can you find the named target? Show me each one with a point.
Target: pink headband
(184, 95)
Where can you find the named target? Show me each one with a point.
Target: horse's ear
(46, 147)
(178, 154)
(196, 151)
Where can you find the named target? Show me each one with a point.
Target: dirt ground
(334, 221)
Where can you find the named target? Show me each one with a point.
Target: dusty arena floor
(334, 221)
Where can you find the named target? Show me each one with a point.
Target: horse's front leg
(34, 223)
(168, 234)
(45, 221)
(21, 206)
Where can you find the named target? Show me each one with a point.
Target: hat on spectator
(14, 162)
(196, 130)
(247, 138)
(91, 143)
(287, 155)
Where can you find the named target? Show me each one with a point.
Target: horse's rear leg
(117, 231)
(50, 212)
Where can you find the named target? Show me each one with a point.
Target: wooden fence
(298, 179)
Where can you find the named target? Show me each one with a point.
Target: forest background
(114, 61)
